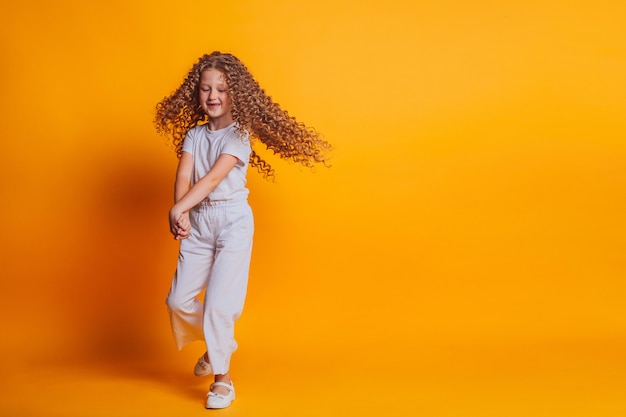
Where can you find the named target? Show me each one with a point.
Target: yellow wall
(476, 193)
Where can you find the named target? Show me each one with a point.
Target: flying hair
(252, 109)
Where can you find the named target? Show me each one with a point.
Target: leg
(186, 311)
(226, 289)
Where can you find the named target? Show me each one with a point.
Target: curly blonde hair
(252, 109)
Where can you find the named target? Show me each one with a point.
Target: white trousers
(216, 258)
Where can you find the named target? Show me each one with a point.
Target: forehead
(212, 76)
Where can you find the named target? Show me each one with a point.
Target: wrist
(175, 211)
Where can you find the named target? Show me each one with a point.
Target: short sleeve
(238, 147)
(189, 140)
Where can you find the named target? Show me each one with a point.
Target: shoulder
(240, 135)
(237, 140)
(194, 132)
(237, 144)
(190, 138)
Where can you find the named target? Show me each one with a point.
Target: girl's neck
(220, 122)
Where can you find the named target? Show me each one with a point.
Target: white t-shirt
(206, 146)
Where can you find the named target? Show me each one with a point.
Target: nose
(212, 94)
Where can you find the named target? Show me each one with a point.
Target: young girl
(211, 119)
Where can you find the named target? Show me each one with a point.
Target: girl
(210, 120)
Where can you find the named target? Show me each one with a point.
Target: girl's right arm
(180, 229)
(203, 187)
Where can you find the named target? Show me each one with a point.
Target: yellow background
(463, 256)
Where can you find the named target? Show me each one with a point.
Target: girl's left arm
(204, 186)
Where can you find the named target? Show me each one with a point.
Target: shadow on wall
(125, 257)
(112, 291)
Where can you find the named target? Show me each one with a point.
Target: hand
(176, 230)
(184, 226)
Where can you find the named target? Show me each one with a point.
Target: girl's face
(214, 99)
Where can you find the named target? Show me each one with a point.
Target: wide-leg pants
(216, 258)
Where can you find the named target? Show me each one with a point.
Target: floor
(574, 378)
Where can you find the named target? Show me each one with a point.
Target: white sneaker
(202, 368)
(219, 400)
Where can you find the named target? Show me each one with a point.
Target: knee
(171, 302)
(177, 303)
